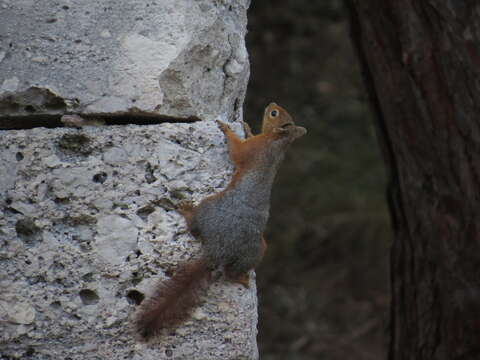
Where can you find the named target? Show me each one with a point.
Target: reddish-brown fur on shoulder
(173, 299)
(243, 153)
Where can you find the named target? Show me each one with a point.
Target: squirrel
(229, 224)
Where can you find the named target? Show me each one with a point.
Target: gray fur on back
(231, 225)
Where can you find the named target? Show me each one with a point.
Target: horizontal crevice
(23, 122)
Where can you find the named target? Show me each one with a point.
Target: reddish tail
(173, 299)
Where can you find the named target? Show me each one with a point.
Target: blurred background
(324, 284)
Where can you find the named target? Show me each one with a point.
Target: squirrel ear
(269, 106)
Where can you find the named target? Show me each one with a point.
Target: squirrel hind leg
(187, 209)
(238, 271)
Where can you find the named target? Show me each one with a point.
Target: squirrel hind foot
(242, 279)
(187, 209)
(185, 206)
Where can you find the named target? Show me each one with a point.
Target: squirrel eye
(274, 113)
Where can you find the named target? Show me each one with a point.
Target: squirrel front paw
(185, 206)
(224, 127)
(242, 279)
(247, 129)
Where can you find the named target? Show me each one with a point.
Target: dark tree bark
(421, 60)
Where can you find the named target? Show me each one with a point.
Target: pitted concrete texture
(177, 58)
(88, 224)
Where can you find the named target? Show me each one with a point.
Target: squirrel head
(276, 119)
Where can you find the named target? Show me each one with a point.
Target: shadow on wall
(323, 285)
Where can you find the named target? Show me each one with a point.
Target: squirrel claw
(185, 205)
(224, 127)
(186, 208)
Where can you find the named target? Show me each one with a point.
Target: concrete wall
(87, 219)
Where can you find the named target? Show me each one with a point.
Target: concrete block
(87, 225)
(168, 58)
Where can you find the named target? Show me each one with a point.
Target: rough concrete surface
(87, 216)
(177, 58)
(87, 224)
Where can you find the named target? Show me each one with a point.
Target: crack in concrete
(22, 122)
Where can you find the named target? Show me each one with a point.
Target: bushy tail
(173, 299)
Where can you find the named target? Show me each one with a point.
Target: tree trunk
(421, 60)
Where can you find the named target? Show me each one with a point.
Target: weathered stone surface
(177, 58)
(87, 219)
(87, 224)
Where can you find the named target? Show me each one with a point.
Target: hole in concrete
(26, 227)
(169, 352)
(86, 247)
(28, 231)
(88, 277)
(135, 297)
(61, 201)
(34, 99)
(30, 352)
(56, 305)
(77, 143)
(36, 280)
(149, 177)
(145, 211)
(11, 211)
(56, 103)
(89, 297)
(100, 177)
(136, 280)
(19, 156)
(75, 317)
(57, 266)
